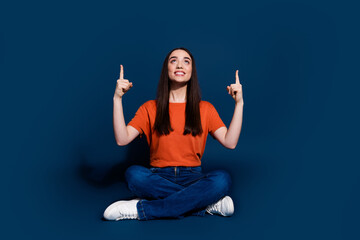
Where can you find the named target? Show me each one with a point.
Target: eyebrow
(176, 57)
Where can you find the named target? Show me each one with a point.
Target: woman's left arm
(229, 137)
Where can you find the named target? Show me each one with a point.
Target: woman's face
(180, 66)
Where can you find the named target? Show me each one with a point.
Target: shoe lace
(127, 215)
(214, 208)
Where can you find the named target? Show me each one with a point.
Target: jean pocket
(195, 170)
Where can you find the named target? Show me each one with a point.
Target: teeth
(179, 73)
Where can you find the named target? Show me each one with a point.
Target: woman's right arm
(123, 134)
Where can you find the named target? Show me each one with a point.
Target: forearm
(120, 129)
(233, 132)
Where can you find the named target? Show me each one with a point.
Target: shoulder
(149, 106)
(206, 105)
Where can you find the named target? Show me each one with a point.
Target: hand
(235, 90)
(122, 85)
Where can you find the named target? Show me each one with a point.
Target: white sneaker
(224, 207)
(122, 210)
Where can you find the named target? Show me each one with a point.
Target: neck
(177, 92)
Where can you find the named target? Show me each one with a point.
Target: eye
(171, 61)
(187, 61)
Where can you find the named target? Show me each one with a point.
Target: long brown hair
(193, 97)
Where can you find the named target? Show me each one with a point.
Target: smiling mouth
(179, 73)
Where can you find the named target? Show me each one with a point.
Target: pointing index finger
(237, 81)
(121, 71)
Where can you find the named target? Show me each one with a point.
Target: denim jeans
(174, 192)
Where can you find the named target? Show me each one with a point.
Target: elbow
(232, 147)
(121, 143)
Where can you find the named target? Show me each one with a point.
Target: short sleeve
(214, 120)
(141, 121)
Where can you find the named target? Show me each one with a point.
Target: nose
(179, 65)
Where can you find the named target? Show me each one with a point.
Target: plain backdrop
(295, 170)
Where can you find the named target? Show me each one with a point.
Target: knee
(136, 174)
(221, 180)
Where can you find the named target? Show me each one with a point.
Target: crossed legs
(162, 197)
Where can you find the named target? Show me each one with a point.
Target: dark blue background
(296, 167)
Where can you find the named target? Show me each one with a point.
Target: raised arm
(123, 134)
(229, 137)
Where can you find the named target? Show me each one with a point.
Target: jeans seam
(142, 209)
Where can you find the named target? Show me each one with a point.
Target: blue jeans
(174, 192)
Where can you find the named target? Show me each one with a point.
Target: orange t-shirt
(175, 149)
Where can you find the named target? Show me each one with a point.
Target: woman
(176, 125)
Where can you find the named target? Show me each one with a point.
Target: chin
(179, 82)
(179, 79)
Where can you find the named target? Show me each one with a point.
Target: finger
(121, 71)
(126, 81)
(237, 81)
(123, 85)
(125, 89)
(234, 89)
(128, 86)
(123, 80)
